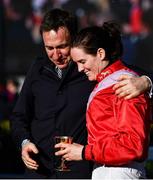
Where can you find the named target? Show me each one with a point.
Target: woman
(118, 129)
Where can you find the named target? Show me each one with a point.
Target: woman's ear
(101, 53)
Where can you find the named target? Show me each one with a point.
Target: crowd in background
(20, 22)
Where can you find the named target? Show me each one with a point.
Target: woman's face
(91, 65)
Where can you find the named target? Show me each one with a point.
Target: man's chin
(62, 66)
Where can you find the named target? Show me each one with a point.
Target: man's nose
(56, 54)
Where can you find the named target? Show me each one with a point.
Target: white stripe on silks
(109, 81)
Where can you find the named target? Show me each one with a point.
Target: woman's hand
(70, 152)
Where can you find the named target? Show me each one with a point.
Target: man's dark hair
(56, 18)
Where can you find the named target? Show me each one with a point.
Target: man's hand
(130, 87)
(28, 149)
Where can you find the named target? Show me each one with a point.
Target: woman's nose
(80, 68)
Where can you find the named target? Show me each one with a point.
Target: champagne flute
(65, 139)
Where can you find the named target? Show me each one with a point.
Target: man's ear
(101, 53)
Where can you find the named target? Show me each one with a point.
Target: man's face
(57, 45)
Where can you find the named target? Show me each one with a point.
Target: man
(53, 102)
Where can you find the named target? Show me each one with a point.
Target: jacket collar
(117, 65)
(48, 67)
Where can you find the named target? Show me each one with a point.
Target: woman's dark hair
(56, 18)
(107, 37)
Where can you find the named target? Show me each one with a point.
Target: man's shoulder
(36, 65)
(38, 62)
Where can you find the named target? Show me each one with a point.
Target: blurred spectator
(8, 98)
(17, 14)
(105, 11)
(129, 13)
(2, 41)
(132, 28)
(120, 9)
(37, 13)
(20, 47)
(58, 3)
(85, 10)
(143, 55)
(17, 11)
(11, 94)
(10, 160)
(135, 15)
(2, 104)
(146, 4)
